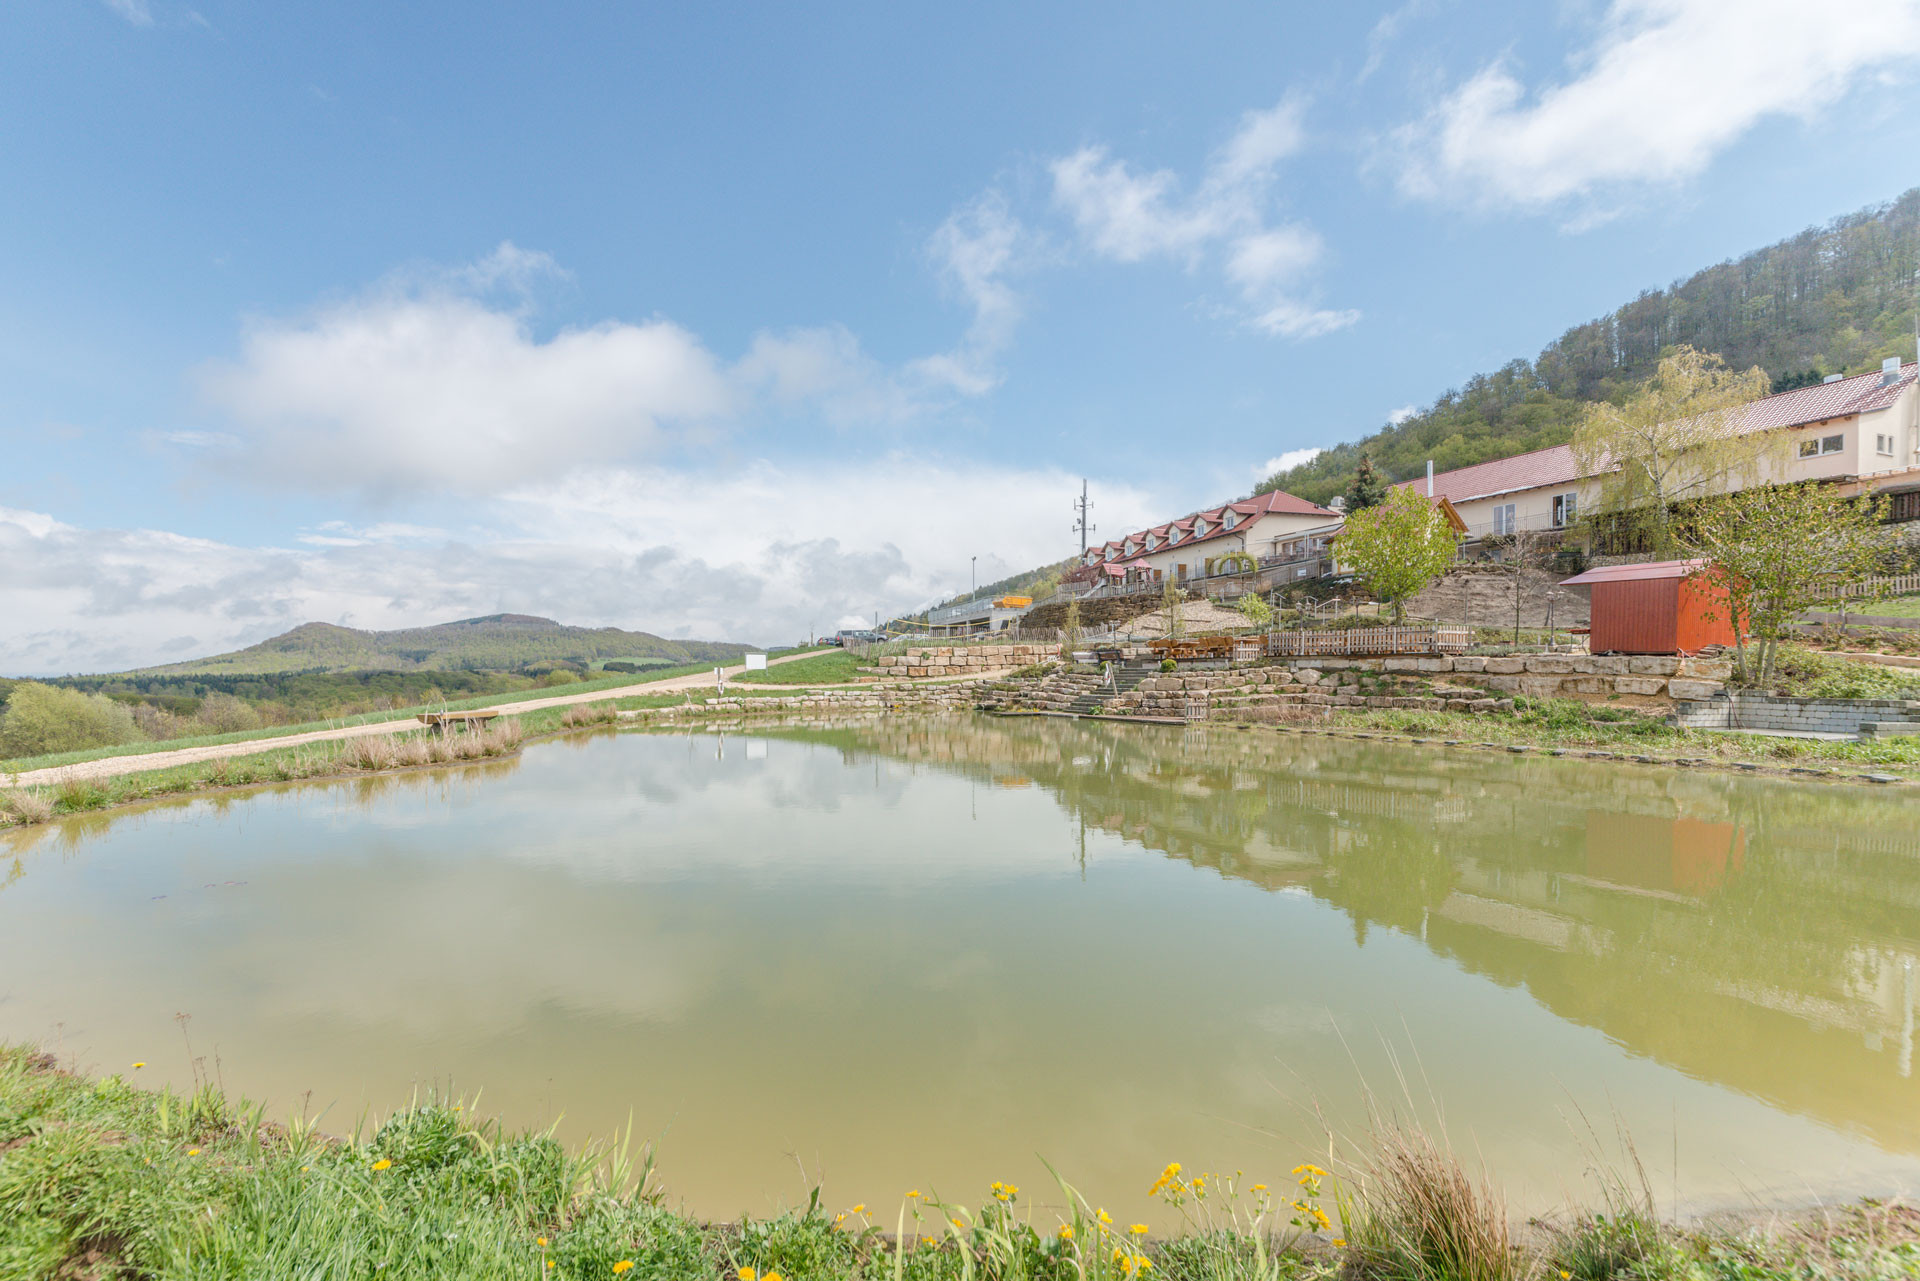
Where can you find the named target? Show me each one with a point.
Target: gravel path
(143, 762)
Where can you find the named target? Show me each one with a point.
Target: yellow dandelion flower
(1142, 1262)
(550, 1263)
(839, 1218)
(1259, 1187)
(1138, 1229)
(1105, 1218)
(1066, 1232)
(383, 1164)
(1340, 1243)
(956, 1223)
(860, 1209)
(1309, 1168)
(139, 1063)
(745, 1274)
(1565, 1275)
(193, 1151)
(1118, 1254)
(772, 1276)
(541, 1242)
(914, 1193)
(305, 1168)
(623, 1266)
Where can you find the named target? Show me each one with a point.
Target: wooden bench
(446, 722)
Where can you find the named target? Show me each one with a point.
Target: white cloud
(1292, 458)
(435, 380)
(1131, 216)
(135, 11)
(403, 391)
(1400, 415)
(973, 250)
(1664, 87)
(755, 554)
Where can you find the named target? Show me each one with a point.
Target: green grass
(829, 667)
(1893, 607)
(616, 681)
(101, 1178)
(1570, 725)
(1812, 673)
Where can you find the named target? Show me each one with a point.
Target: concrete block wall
(1743, 709)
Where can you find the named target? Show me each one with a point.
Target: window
(1824, 445)
(1233, 518)
(1503, 522)
(1883, 444)
(1565, 510)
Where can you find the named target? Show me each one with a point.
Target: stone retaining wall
(1556, 675)
(1744, 709)
(960, 660)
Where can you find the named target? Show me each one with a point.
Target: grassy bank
(1571, 726)
(615, 681)
(100, 1178)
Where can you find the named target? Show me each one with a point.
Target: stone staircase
(1082, 693)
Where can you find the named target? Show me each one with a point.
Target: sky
(751, 321)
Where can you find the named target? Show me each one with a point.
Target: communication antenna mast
(1081, 525)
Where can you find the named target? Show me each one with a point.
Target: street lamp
(976, 575)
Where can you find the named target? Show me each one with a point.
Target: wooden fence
(1354, 642)
(1881, 585)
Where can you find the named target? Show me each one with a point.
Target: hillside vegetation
(1832, 300)
(496, 643)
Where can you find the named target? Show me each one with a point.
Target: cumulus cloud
(1400, 415)
(757, 554)
(1130, 215)
(1664, 87)
(437, 380)
(1292, 458)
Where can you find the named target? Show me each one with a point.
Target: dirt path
(143, 762)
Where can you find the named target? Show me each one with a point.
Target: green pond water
(932, 953)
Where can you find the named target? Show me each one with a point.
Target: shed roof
(1636, 573)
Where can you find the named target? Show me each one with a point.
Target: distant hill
(1831, 300)
(496, 643)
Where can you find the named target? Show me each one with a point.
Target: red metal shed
(1657, 608)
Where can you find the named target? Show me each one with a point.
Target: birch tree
(1397, 547)
(1675, 438)
(1779, 550)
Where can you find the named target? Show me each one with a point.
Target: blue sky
(740, 321)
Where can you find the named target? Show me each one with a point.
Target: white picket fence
(1880, 585)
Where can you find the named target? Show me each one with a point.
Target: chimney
(1833, 378)
(1890, 370)
(1429, 478)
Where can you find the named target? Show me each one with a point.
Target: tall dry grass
(26, 805)
(581, 715)
(1415, 1214)
(385, 751)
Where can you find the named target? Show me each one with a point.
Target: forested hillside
(1831, 300)
(497, 643)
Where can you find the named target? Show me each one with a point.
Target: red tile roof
(1860, 394)
(1552, 466)
(1274, 503)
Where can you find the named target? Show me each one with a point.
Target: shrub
(582, 714)
(225, 714)
(44, 718)
(1168, 665)
(558, 676)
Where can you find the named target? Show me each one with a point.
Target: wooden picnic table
(446, 721)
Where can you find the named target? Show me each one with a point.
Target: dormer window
(1153, 541)
(1199, 529)
(1232, 519)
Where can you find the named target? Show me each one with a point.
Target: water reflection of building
(1757, 934)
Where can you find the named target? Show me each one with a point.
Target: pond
(929, 953)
